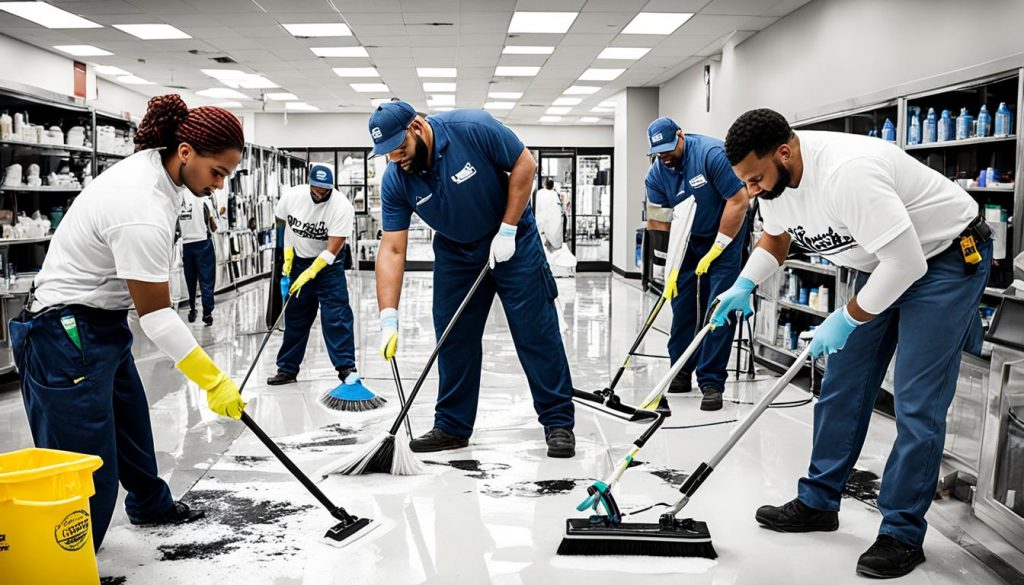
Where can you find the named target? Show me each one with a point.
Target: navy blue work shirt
(704, 173)
(464, 195)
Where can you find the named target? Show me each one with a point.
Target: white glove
(388, 333)
(503, 246)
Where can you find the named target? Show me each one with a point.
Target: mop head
(352, 396)
(599, 536)
(382, 455)
(345, 533)
(612, 406)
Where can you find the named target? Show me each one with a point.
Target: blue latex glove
(737, 298)
(286, 285)
(831, 335)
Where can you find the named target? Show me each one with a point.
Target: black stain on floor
(863, 486)
(673, 477)
(476, 469)
(335, 435)
(240, 513)
(534, 489)
(250, 459)
(113, 580)
(197, 550)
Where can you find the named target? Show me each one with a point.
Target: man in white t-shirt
(199, 260)
(317, 220)
(549, 215)
(923, 255)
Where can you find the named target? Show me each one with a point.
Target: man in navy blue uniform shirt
(469, 178)
(687, 166)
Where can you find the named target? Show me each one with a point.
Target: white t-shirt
(194, 227)
(120, 227)
(857, 193)
(310, 224)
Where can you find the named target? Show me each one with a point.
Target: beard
(780, 184)
(418, 164)
(316, 199)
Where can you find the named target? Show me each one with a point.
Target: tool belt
(975, 234)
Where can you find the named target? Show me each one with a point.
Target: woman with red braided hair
(113, 251)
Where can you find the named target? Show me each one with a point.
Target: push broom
(670, 536)
(383, 454)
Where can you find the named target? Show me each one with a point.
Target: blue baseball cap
(661, 134)
(388, 124)
(321, 175)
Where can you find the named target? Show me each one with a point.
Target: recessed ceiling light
(499, 105)
(330, 29)
(525, 50)
(506, 71)
(47, 15)
(598, 74)
(339, 51)
(505, 95)
(370, 87)
(600, 110)
(541, 22)
(582, 90)
(547, 119)
(300, 107)
(250, 82)
(222, 93)
(623, 53)
(656, 23)
(437, 71)
(134, 80)
(565, 101)
(558, 111)
(153, 32)
(356, 72)
(607, 104)
(229, 104)
(429, 87)
(109, 70)
(441, 99)
(588, 120)
(282, 96)
(81, 50)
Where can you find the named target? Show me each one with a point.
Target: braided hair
(759, 131)
(169, 122)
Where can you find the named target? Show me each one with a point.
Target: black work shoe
(795, 516)
(179, 513)
(437, 440)
(208, 320)
(561, 442)
(663, 406)
(681, 383)
(889, 558)
(712, 399)
(343, 372)
(281, 378)
(192, 316)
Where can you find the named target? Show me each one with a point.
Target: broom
(382, 454)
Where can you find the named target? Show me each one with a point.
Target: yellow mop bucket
(45, 525)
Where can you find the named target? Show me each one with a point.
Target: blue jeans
(711, 360)
(200, 262)
(527, 291)
(932, 321)
(91, 401)
(328, 292)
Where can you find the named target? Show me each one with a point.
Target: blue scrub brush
(352, 396)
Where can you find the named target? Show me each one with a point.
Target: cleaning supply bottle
(823, 298)
(889, 131)
(1003, 120)
(963, 125)
(915, 130)
(984, 122)
(945, 127)
(931, 129)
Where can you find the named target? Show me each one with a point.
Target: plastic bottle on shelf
(812, 298)
(963, 125)
(915, 130)
(6, 126)
(945, 130)
(823, 298)
(984, 122)
(889, 131)
(1004, 120)
(930, 128)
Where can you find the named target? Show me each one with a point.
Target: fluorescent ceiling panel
(557, 111)
(598, 74)
(222, 93)
(109, 70)
(541, 22)
(442, 99)
(623, 53)
(588, 120)
(437, 71)
(566, 101)
(47, 15)
(356, 72)
(582, 90)
(134, 80)
(83, 50)
(327, 29)
(656, 23)
(370, 87)
(339, 51)
(608, 104)
(300, 107)
(153, 32)
(507, 71)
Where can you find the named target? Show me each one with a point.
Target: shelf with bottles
(879, 120)
(973, 114)
(965, 142)
(814, 264)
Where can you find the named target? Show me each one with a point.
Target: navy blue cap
(388, 124)
(321, 175)
(661, 134)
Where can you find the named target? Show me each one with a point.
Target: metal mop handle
(401, 392)
(659, 388)
(636, 343)
(266, 338)
(704, 470)
(437, 350)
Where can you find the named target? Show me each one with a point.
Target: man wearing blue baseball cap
(687, 166)
(317, 221)
(470, 178)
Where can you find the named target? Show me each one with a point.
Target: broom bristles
(384, 454)
(357, 461)
(611, 546)
(345, 405)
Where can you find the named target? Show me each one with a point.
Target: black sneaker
(192, 316)
(712, 399)
(344, 371)
(179, 513)
(795, 516)
(561, 442)
(681, 383)
(437, 440)
(889, 558)
(208, 320)
(281, 378)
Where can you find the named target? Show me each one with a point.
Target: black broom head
(599, 536)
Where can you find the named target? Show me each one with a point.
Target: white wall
(27, 65)
(830, 51)
(116, 99)
(634, 110)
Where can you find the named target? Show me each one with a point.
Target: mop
(383, 454)
(670, 536)
(345, 531)
(605, 401)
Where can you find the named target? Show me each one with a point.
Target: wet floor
(491, 513)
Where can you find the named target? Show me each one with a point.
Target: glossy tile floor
(493, 512)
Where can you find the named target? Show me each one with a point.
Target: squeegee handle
(655, 310)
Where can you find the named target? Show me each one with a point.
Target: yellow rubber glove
(221, 391)
(289, 255)
(307, 275)
(389, 333)
(705, 262)
(671, 288)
